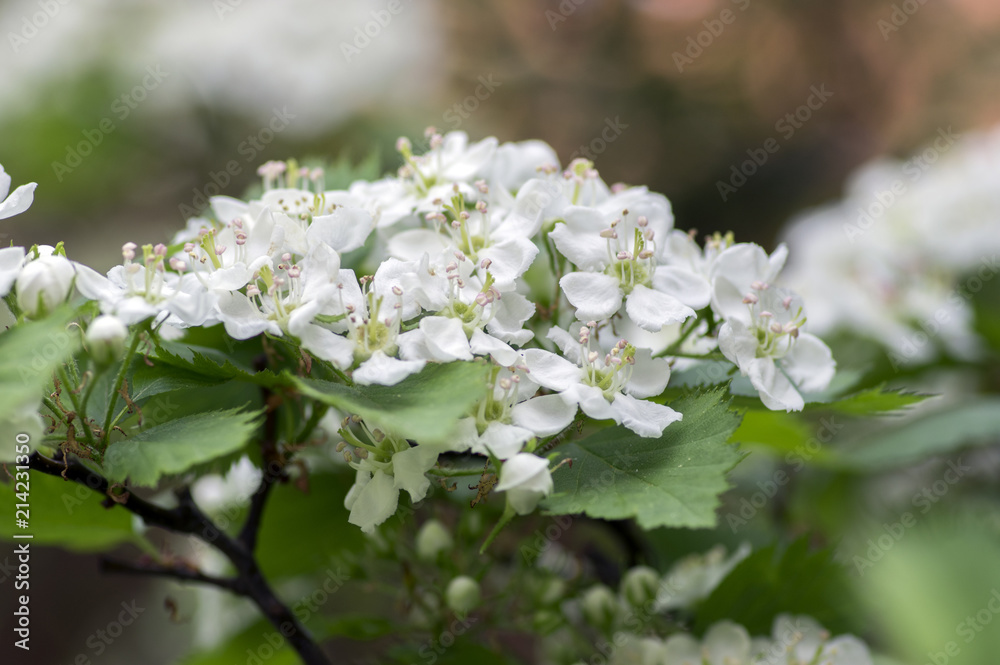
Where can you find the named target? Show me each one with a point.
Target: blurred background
(129, 114)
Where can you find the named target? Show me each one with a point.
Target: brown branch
(187, 518)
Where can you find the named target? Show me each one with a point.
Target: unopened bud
(432, 540)
(462, 594)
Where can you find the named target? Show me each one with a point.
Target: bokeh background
(164, 97)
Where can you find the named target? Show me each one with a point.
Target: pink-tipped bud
(750, 299)
(178, 265)
(396, 290)
(623, 255)
(609, 233)
(642, 222)
(787, 302)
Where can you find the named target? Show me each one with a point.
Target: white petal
(11, 259)
(345, 229)
(327, 345)
(19, 201)
(645, 418)
(545, 415)
(241, 317)
(511, 313)
(445, 338)
(596, 296)
(591, 400)
(682, 649)
(552, 371)
(810, 363)
(775, 390)
(510, 259)
(727, 643)
(413, 346)
(526, 473)
(375, 503)
(691, 289)
(409, 469)
(413, 244)
(483, 344)
(503, 440)
(463, 163)
(579, 240)
(650, 375)
(651, 310)
(846, 650)
(4, 183)
(568, 345)
(385, 371)
(738, 344)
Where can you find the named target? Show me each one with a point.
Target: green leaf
(29, 353)
(214, 364)
(69, 515)
(423, 406)
(177, 445)
(292, 516)
(252, 645)
(770, 582)
(874, 400)
(937, 433)
(674, 480)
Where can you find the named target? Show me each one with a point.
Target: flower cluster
(580, 297)
(900, 257)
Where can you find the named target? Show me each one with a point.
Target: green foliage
(177, 445)
(292, 517)
(940, 432)
(213, 364)
(423, 406)
(870, 401)
(673, 480)
(69, 515)
(771, 582)
(250, 642)
(939, 586)
(29, 354)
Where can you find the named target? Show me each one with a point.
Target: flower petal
(19, 201)
(645, 418)
(375, 503)
(385, 371)
(651, 310)
(445, 338)
(810, 363)
(595, 295)
(775, 390)
(545, 415)
(691, 289)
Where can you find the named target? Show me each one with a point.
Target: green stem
(81, 416)
(119, 381)
(508, 515)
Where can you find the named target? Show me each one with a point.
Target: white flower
(11, 261)
(618, 248)
(767, 344)
(386, 467)
(694, 577)
(44, 284)
(106, 337)
(737, 270)
(18, 201)
(801, 639)
(527, 480)
(606, 387)
(514, 164)
(725, 643)
(137, 291)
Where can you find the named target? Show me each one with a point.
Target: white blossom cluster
(463, 244)
(795, 640)
(900, 257)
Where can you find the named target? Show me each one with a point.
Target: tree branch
(187, 518)
(177, 572)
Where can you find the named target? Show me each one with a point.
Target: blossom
(768, 346)
(43, 284)
(106, 337)
(608, 387)
(527, 480)
(17, 201)
(617, 247)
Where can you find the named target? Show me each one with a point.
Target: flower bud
(106, 337)
(433, 539)
(600, 606)
(462, 594)
(44, 284)
(526, 479)
(640, 585)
